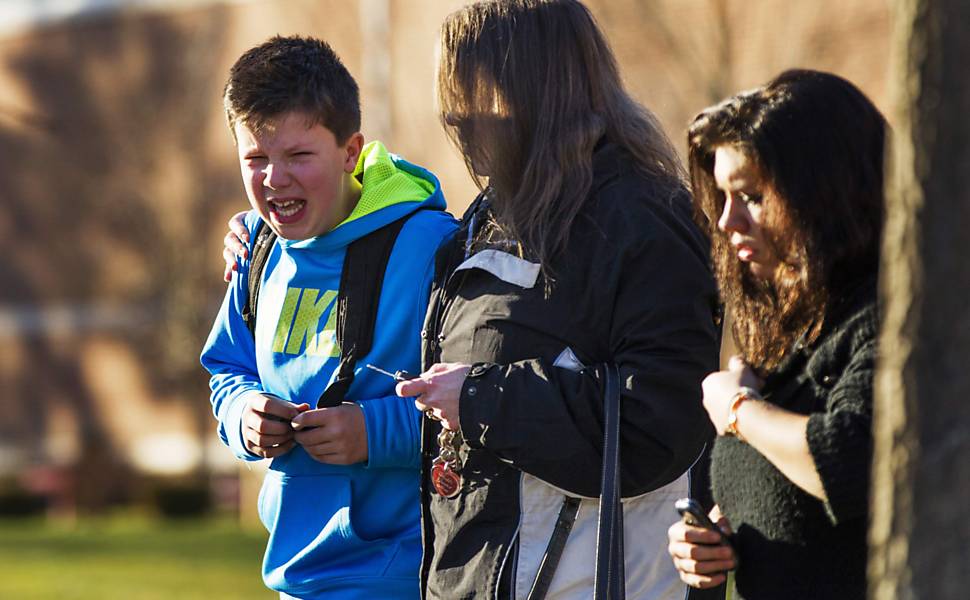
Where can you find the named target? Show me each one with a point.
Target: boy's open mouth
(288, 210)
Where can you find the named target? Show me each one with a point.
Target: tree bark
(920, 533)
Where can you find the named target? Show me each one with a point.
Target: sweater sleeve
(840, 438)
(229, 355)
(393, 432)
(547, 421)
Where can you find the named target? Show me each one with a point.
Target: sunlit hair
(526, 90)
(818, 143)
(292, 74)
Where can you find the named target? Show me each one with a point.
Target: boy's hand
(335, 435)
(235, 244)
(266, 424)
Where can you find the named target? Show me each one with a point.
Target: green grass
(130, 558)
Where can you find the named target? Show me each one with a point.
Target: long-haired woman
(789, 179)
(580, 250)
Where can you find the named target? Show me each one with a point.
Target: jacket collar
(609, 162)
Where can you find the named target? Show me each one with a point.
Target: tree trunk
(920, 533)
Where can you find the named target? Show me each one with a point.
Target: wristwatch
(743, 393)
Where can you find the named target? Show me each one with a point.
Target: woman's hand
(701, 557)
(721, 386)
(778, 434)
(438, 392)
(235, 244)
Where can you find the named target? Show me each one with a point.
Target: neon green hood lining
(384, 184)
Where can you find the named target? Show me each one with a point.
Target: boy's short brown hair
(292, 74)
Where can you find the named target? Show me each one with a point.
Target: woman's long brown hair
(526, 89)
(818, 143)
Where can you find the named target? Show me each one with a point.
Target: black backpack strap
(264, 238)
(357, 301)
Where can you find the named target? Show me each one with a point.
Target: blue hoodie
(337, 531)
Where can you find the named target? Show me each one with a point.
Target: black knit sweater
(792, 545)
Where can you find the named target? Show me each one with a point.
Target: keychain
(444, 469)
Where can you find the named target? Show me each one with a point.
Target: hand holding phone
(691, 512)
(703, 561)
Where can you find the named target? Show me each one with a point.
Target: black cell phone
(691, 512)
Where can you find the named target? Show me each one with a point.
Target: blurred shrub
(15, 501)
(182, 499)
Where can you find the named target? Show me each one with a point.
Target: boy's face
(298, 177)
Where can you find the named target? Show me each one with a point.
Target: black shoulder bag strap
(557, 544)
(357, 301)
(609, 582)
(357, 298)
(610, 577)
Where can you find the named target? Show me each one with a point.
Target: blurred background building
(117, 175)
